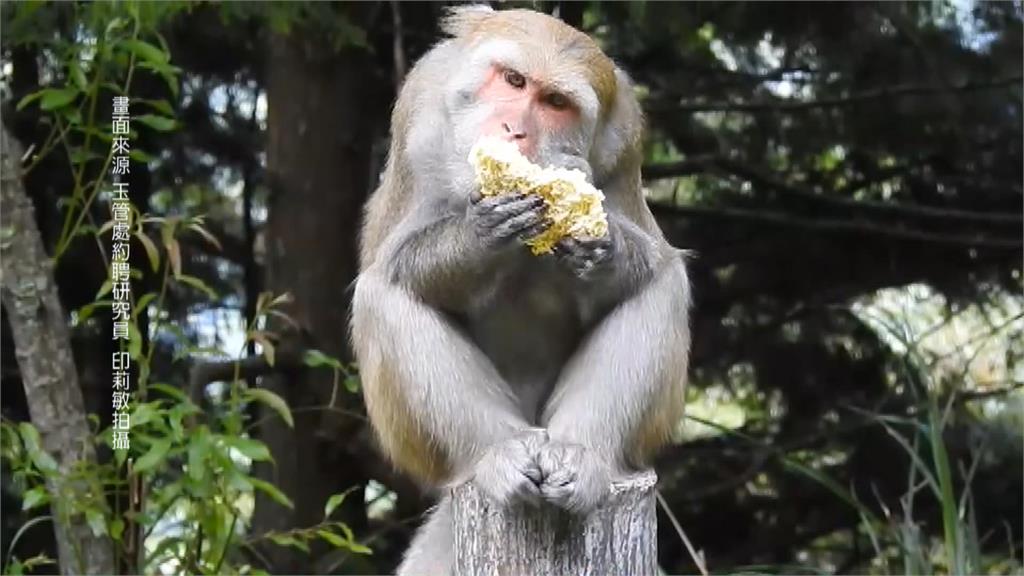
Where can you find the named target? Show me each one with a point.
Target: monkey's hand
(585, 258)
(575, 478)
(509, 472)
(498, 219)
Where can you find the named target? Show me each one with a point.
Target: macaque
(540, 378)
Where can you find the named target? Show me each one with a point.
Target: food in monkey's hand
(573, 204)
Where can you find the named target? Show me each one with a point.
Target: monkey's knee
(432, 549)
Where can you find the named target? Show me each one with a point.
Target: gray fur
(538, 377)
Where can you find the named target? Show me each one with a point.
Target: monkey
(539, 378)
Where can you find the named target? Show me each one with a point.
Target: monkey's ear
(461, 21)
(620, 142)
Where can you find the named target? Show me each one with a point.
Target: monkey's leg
(432, 549)
(438, 404)
(621, 394)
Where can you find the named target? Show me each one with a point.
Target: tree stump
(618, 538)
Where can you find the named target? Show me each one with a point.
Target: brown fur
(554, 43)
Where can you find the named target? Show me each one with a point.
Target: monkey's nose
(515, 133)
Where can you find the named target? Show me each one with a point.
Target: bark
(43, 347)
(618, 538)
(321, 116)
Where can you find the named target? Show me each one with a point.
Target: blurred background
(847, 177)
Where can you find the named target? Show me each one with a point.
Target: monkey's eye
(557, 100)
(514, 79)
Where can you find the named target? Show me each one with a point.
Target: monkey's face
(533, 95)
(523, 110)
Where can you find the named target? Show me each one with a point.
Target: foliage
(185, 487)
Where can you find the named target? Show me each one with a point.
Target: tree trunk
(618, 538)
(321, 117)
(43, 347)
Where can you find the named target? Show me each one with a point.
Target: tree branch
(202, 373)
(840, 226)
(899, 91)
(716, 163)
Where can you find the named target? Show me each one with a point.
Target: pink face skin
(523, 110)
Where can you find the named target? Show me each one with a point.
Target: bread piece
(573, 204)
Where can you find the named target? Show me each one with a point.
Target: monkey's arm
(447, 258)
(621, 394)
(436, 401)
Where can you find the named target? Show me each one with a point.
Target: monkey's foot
(509, 471)
(574, 477)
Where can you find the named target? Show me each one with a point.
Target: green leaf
(54, 98)
(334, 501)
(198, 285)
(10, 443)
(272, 491)
(135, 342)
(77, 76)
(162, 106)
(146, 51)
(352, 383)
(72, 115)
(156, 454)
(96, 521)
(332, 538)
(158, 123)
(38, 560)
(119, 455)
(316, 358)
(175, 417)
(33, 445)
(285, 298)
(173, 255)
(34, 498)
(197, 451)
(289, 541)
(145, 413)
(79, 155)
(348, 34)
(28, 99)
(150, 247)
(274, 402)
(359, 548)
(251, 449)
(170, 391)
(171, 80)
(266, 346)
(105, 289)
(198, 229)
(116, 529)
(140, 156)
(144, 301)
(86, 312)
